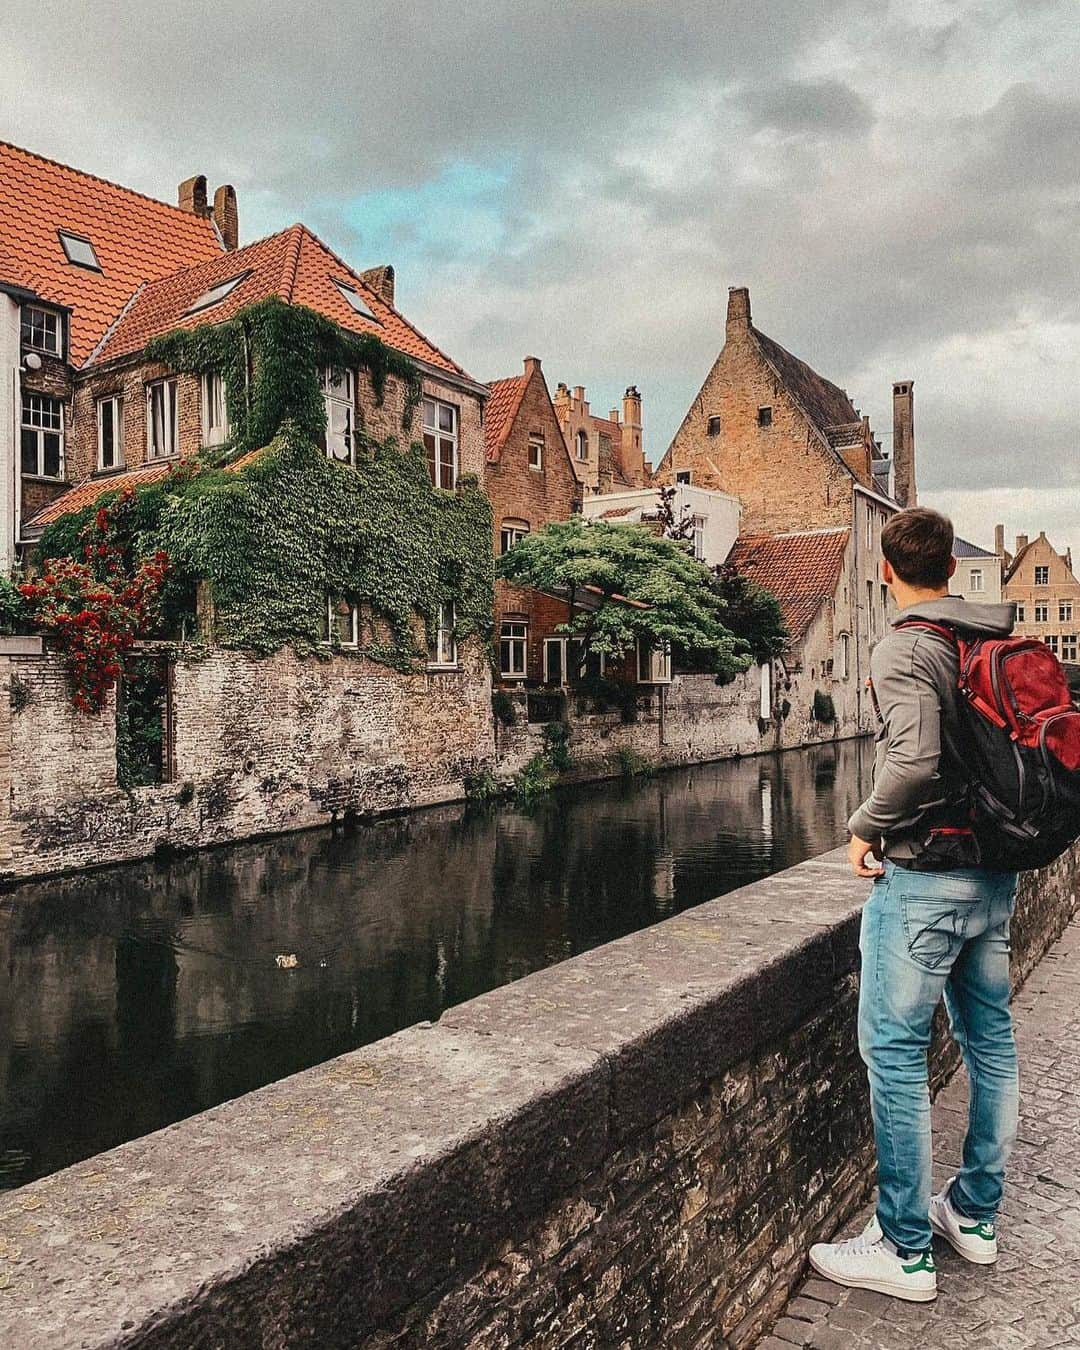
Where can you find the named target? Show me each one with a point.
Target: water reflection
(137, 996)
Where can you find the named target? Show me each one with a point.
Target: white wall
(718, 510)
(960, 582)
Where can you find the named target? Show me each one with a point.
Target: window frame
(443, 652)
(1020, 613)
(514, 644)
(65, 235)
(1044, 611)
(27, 344)
(165, 383)
(512, 526)
(713, 425)
(764, 415)
(213, 435)
(563, 643)
(697, 538)
(685, 477)
(329, 379)
(40, 430)
(1042, 571)
(117, 400)
(1068, 647)
(536, 443)
(213, 295)
(332, 636)
(1065, 611)
(581, 443)
(975, 580)
(648, 651)
(441, 438)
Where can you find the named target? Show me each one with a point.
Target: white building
(714, 515)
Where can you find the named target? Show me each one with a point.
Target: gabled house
(607, 452)
(1042, 585)
(978, 572)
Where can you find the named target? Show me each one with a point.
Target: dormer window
(79, 251)
(355, 299)
(41, 330)
(216, 294)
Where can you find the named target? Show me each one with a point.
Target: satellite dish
(32, 361)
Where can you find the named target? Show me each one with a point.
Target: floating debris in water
(289, 962)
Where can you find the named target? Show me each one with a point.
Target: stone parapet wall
(632, 1148)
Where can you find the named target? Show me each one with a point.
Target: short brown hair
(917, 543)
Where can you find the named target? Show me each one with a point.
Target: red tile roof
(500, 411)
(294, 265)
(136, 239)
(801, 570)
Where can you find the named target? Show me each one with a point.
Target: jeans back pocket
(935, 928)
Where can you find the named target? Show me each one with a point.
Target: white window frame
(1051, 640)
(514, 642)
(1068, 647)
(512, 531)
(581, 442)
(684, 476)
(444, 650)
(1065, 611)
(845, 656)
(1042, 613)
(698, 538)
(55, 347)
(564, 644)
(653, 663)
(170, 428)
(1044, 572)
(1019, 613)
(339, 400)
(765, 691)
(37, 419)
(215, 413)
(118, 431)
(536, 451)
(332, 635)
(441, 442)
(975, 579)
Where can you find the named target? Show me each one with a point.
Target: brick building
(530, 481)
(607, 452)
(803, 461)
(1040, 582)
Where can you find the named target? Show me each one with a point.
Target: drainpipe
(663, 715)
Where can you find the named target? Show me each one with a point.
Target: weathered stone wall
(259, 746)
(632, 1148)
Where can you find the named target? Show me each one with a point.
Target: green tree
(752, 612)
(626, 583)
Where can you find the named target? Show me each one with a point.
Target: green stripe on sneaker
(983, 1230)
(925, 1262)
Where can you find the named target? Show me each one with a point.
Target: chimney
(633, 450)
(532, 365)
(224, 215)
(1021, 542)
(191, 195)
(738, 310)
(381, 281)
(903, 455)
(999, 540)
(579, 392)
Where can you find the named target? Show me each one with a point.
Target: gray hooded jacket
(914, 674)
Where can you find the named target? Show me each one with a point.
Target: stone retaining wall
(630, 1149)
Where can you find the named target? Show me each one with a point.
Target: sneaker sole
(976, 1258)
(904, 1292)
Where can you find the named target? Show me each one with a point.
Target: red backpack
(1019, 750)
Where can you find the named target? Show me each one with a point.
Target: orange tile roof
(500, 411)
(294, 265)
(136, 239)
(802, 570)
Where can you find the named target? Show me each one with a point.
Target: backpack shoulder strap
(942, 629)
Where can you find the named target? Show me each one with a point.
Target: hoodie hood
(994, 621)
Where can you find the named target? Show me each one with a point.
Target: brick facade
(1046, 609)
(614, 454)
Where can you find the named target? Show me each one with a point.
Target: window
(513, 649)
(216, 293)
(512, 532)
(1042, 576)
(764, 417)
(110, 432)
(1065, 611)
(162, 420)
(714, 426)
(845, 656)
(582, 442)
(1019, 613)
(79, 250)
(869, 528)
(884, 604)
(42, 436)
(699, 538)
(355, 299)
(1042, 613)
(215, 420)
(443, 651)
(765, 703)
(653, 663)
(1051, 641)
(567, 659)
(536, 450)
(1068, 647)
(683, 476)
(340, 622)
(975, 581)
(871, 618)
(41, 329)
(338, 388)
(441, 442)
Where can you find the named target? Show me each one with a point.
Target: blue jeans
(924, 934)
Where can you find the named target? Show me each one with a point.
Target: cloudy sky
(898, 185)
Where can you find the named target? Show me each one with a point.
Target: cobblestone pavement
(1032, 1296)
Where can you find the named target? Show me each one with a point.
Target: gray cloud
(817, 108)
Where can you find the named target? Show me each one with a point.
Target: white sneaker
(974, 1241)
(865, 1262)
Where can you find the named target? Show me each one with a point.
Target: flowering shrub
(94, 610)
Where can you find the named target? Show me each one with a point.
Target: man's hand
(858, 851)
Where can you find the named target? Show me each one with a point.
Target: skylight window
(216, 293)
(79, 251)
(355, 299)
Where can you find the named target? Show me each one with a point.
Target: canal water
(135, 996)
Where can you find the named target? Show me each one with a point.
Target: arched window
(582, 439)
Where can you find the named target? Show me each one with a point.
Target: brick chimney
(225, 217)
(999, 540)
(903, 404)
(381, 281)
(532, 365)
(1021, 543)
(191, 195)
(633, 452)
(738, 310)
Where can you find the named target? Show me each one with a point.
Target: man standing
(936, 923)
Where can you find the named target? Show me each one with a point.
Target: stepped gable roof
(135, 238)
(500, 411)
(963, 548)
(825, 403)
(802, 570)
(294, 265)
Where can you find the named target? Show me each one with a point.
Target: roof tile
(802, 570)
